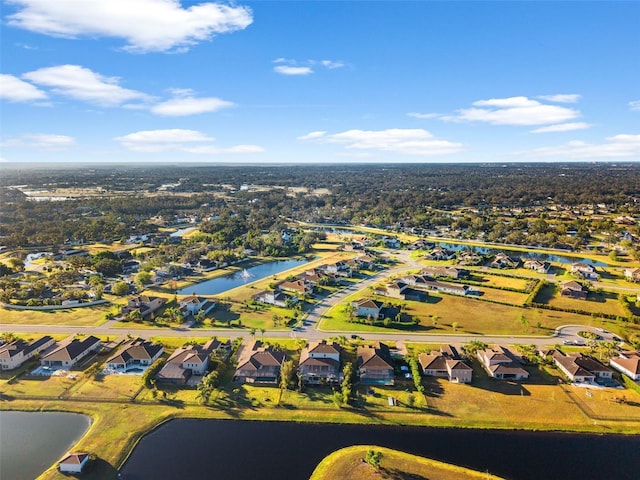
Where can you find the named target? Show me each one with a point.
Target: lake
(30, 442)
(241, 277)
(244, 450)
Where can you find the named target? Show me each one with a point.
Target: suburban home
(192, 360)
(71, 352)
(632, 274)
(258, 364)
(423, 282)
(320, 362)
(298, 287)
(391, 242)
(580, 368)
(14, 354)
(445, 271)
(73, 462)
(375, 366)
(584, 271)
(340, 269)
(366, 307)
(440, 253)
(627, 363)
(502, 364)
(420, 244)
(537, 266)
(135, 353)
(277, 298)
(502, 260)
(574, 289)
(191, 305)
(446, 363)
(145, 304)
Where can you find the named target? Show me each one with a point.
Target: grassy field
(347, 463)
(596, 303)
(86, 316)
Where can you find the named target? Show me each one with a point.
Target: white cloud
(423, 116)
(146, 25)
(179, 140)
(182, 106)
(80, 83)
(562, 127)
(331, 64)
(396, 140)
(291, 70)
(618, 146)
(312, 135)
(635, 105)
(16, 90)
(562, 98)
(289, 66)
(42, 141)
(513, 111)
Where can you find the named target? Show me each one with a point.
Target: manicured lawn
(607, 403)
(347, 463)
(596, 303)
(499, 281)
(40, 386)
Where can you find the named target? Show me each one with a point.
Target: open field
(596, 303)
(347, 463)
(86, 316)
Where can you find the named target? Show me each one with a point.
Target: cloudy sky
(319, 81)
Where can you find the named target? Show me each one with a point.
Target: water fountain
(245, 274)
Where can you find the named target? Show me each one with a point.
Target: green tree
(286, 374)
(373, 458)
(143, 278)
(120, 288)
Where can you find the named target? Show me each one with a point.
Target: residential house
(585, 271)
(259, 364)
(192, 305)
(580, 368)
(427, 283)
(502, 364)
(320, 362)
(277, 298)
(537, 266)
(366, 307)
(71, 352)
(627, 363)
(14, 354)
(340, 269)
(145, 304)
(188, 361)
(73, 462)
(135, 353)
(391, 242)
(574, 289)
(445, 271)
(632, 274)
(440, 253)
(502, 260)
(375, 366)
(446, 363)
(298, 287)
(420, 244)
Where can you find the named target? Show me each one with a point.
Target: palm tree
(252, 332)
(262, 330)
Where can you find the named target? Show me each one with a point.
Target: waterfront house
(537, 266)
(375, 366)
(14, 354)
(191, 305)
(145, 304)
(446, 363)
(584, 271)
(277, 298)
(320, 362)
(188, 361)
(259, 364)
(581, 368)
(73, 462)
(502, 364)
(70, 352)
(135, 353)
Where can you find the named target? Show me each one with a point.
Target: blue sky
(91, 81)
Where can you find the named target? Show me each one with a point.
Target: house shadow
(399, 474)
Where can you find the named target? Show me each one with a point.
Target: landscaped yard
(596, 303)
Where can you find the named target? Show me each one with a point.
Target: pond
(239, 450)
(182, 231)
(30, 442)
(242, 277)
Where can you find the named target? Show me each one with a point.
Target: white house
(14, 354)
(366, 307)
(627, 363)
(71, 352)
(502, 364)
(137, 352)
(73, 462)
(584, 270)
(192, 304)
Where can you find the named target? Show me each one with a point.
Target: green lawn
(596, 303)
(86, 316)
